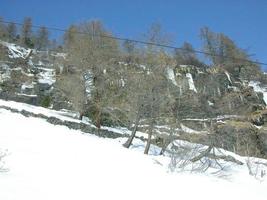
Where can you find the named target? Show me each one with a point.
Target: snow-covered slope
(48, 162)
(63, 115)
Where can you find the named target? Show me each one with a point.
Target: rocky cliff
(211, 106)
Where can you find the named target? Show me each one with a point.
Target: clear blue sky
(243, 20)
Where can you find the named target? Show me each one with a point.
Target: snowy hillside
(48, 162)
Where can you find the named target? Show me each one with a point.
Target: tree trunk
(98, 111)
(98, 118)
(149, 137)
(128, 143)
(167, 141)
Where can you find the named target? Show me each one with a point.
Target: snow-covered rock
(191, 82)
(15, 51)
(257, 88)
(171, 76)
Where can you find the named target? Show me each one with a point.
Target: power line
(140, 42)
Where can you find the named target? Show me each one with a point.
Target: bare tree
(72, 85)
(3, 31)
(12, 31)
(70, 35)
(42, 38)
(91, 54)
(26, 33)
(146, 89)
(2, 52)
(187, 56)
(221, 49)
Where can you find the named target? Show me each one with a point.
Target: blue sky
(243, 20)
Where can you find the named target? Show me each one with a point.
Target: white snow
(123, 63)
(210, 103)
(16, 51)
(123, 130)
(228, 76)
(142, 66)
(219, 117)
(63, 55)
(54, 162)
(48, 162)
(191, 82)
(171, 76)
(122, 82)
(40, 63)
(46, 76)
(26, 95)
(89, 83)
(257, 88)
(5, 73)
(27, 85)
(30, 63)
(256, 167)
(234, 88)
(63, 115)
(192, 131)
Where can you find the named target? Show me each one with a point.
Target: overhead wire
(139, 42)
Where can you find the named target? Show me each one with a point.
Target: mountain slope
(48, 162)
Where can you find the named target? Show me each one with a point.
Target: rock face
(217, 94)
(221, 108)
(240, 137)
(29, 78)
(225, 107)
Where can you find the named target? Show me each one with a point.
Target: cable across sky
(139, 42)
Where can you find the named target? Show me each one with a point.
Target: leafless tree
(3, 31)
(12, 31)
(89, 53)
(26, 33)
(42, 39)
(149, 99)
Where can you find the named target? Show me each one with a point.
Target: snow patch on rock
(228, 77)
(15, 51)
(171, 76)
(257, 88)
(191, 82)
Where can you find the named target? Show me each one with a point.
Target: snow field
(48, 162)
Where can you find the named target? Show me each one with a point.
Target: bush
(111, 118)
(46, 101)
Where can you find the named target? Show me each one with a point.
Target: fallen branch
(201, 155)
(225, 158)
(261, 163)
